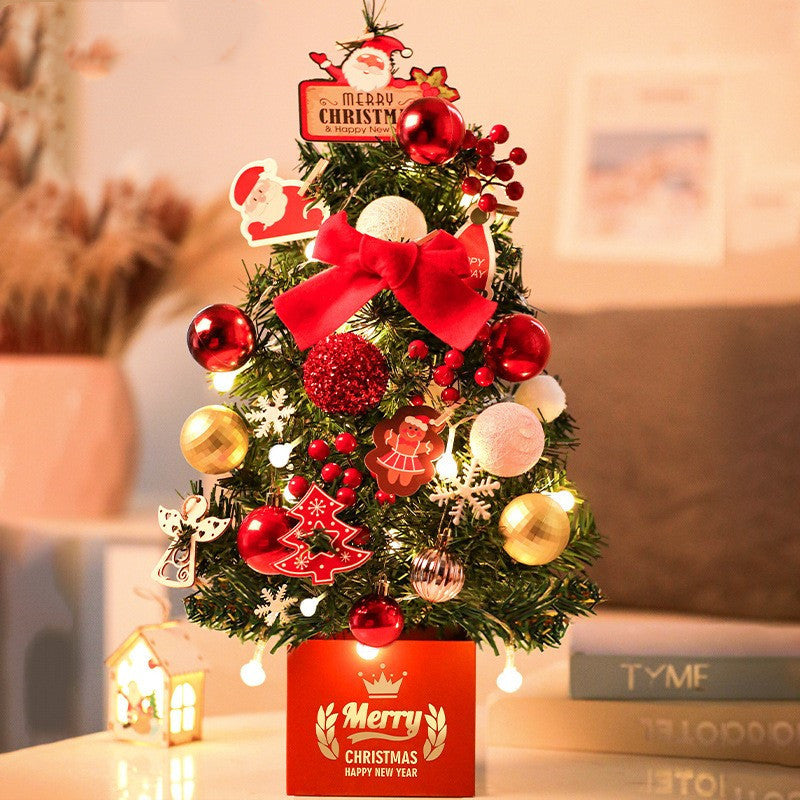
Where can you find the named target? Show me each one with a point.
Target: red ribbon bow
(425, 277)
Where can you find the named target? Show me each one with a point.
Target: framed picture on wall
(643, 166)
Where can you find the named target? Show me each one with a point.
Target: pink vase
(67, 437)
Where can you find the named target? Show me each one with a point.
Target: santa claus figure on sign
(272, 209)
(369, 67)
(259, 195)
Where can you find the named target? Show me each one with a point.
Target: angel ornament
(176, 568)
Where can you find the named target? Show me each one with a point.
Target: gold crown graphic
(382, 687)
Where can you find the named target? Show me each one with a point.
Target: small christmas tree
(405, 464)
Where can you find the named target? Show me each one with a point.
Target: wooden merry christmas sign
(363, 98)
(402, 724)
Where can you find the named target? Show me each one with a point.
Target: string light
(309, 249)
(308, 606)
(446, 466)
(510, 679)
(288, 496)
(564, 498)
(279, 454)
(252, 672)
(366, 652)
(223, 381)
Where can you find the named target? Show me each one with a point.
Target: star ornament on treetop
(317, 514)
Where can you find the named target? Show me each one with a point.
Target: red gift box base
(401, 724)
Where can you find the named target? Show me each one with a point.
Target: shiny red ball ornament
(346, 496)
(487, 203)
(499, 134)
(518, 348)
(469, 141)
(514, 190)
(430, 130)
(417, 349)
(504, 172)
(518, 155)
(454, 359)
(417, 400)
(376, 620)
(221, 338)
(450, 395)
(486, 165)
(484, 376)
(385, 497)
(297, 486)
(345, 374)
(330, 472)
(484, 147)
(471, 185)
(352, 477)
(319, 450)
(443, 375)
(345, 443)
(258, 537)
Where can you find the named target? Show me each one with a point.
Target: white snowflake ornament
(269, 415)
(466, 492)
(275, 606)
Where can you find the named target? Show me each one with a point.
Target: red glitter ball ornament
(221, 338)
(258, 537)
(430, 130)
(376, 620)
(345, 374)
(518, 348)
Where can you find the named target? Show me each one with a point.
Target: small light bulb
(308, 606)
(279, 454)
(564, 498)
(223, 381)
(366, 652)
(288, 496)
(509, 680)
(446, 466)
(309, 251)
(252, 673)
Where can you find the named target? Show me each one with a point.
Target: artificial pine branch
(502, 601)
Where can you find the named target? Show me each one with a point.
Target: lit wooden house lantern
(156, 683)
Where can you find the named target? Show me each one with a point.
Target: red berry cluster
(496, 172)
(446, 374)
(346, 444)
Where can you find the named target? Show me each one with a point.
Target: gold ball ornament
(214, 440)
(436, 575)
(536, 529)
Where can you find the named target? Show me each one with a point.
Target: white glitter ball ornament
(393, 219)
(543, 395)
(507, 439)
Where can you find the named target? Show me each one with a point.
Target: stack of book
(665, 685)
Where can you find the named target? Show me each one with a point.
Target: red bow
(425, 277)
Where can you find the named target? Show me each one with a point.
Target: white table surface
(242, 758)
